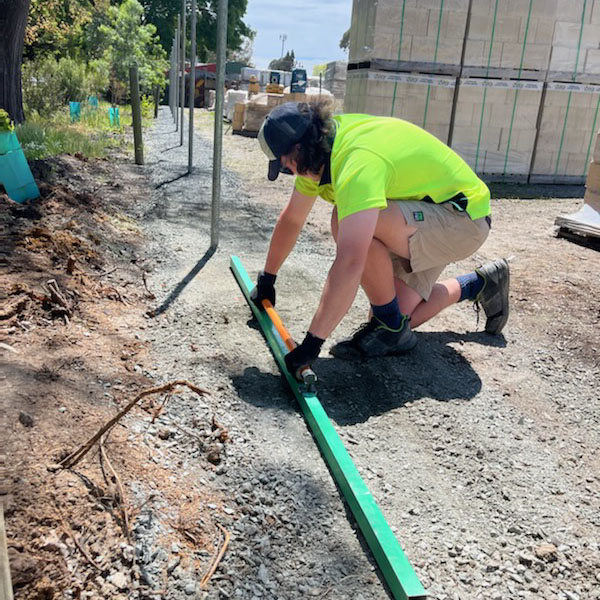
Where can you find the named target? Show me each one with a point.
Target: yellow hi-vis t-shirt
(376, 159)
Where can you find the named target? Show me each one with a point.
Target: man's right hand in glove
(264, 290)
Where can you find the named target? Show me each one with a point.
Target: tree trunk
(13, 19)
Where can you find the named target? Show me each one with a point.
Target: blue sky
(313, 28)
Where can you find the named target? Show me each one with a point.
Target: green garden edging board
(395, 567)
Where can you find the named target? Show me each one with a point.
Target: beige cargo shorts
(444, 235)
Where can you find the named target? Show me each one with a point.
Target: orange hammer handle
(308, 375)
(283, 332)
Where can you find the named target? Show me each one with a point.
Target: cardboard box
(238, 116)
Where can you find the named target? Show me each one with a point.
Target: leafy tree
(286, 63)
(49, 83)
(244, 54)
(125, 41)
(56, 27)
(345, 41)
(317, 69)
(163, 14)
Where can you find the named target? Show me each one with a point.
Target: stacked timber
(512, 85)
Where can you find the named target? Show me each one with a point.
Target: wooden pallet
(582, 227)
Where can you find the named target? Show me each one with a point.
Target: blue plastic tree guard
(113, 116)
(75, 111)
(15, 174)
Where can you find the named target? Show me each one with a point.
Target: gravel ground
(481, 451)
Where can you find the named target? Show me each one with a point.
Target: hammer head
(309, 378)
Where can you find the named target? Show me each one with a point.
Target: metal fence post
(182, 69)
(192, 87)
(177, 51)
(218, 136)
(136, 111)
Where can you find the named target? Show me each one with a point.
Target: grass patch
(92, 136)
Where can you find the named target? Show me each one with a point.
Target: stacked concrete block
(576, 38)
(408, 30)
(362, 30)
(510, 34)
(495, 125)
(334, 78)
(422, 99)
(517, 56)
(560, 35)
(565, 138)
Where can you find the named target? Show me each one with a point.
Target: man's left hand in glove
(303, 355)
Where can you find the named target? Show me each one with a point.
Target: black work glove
(302, 355)
(264, 290)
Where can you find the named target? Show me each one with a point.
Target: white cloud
(313, 29)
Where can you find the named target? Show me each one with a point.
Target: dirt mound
(74, 294)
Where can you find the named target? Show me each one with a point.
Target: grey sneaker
(375, 339)
(493, 297)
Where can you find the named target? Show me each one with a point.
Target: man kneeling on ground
(404, 207)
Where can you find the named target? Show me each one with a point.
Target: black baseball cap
(283, 127)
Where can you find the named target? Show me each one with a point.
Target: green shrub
(147, 103)
(48, 83)
(5, 122)
(42, 137)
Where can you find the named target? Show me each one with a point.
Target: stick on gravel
(76, 456)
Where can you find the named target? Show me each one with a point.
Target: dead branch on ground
(67, 529)
(121, 498)
(73, 458)
(149, 294)
(215, 562)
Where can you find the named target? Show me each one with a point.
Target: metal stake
(177, 38)
(218, 135)
(182, 69)
(192, 88)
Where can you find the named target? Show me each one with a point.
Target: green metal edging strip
(395, 567)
